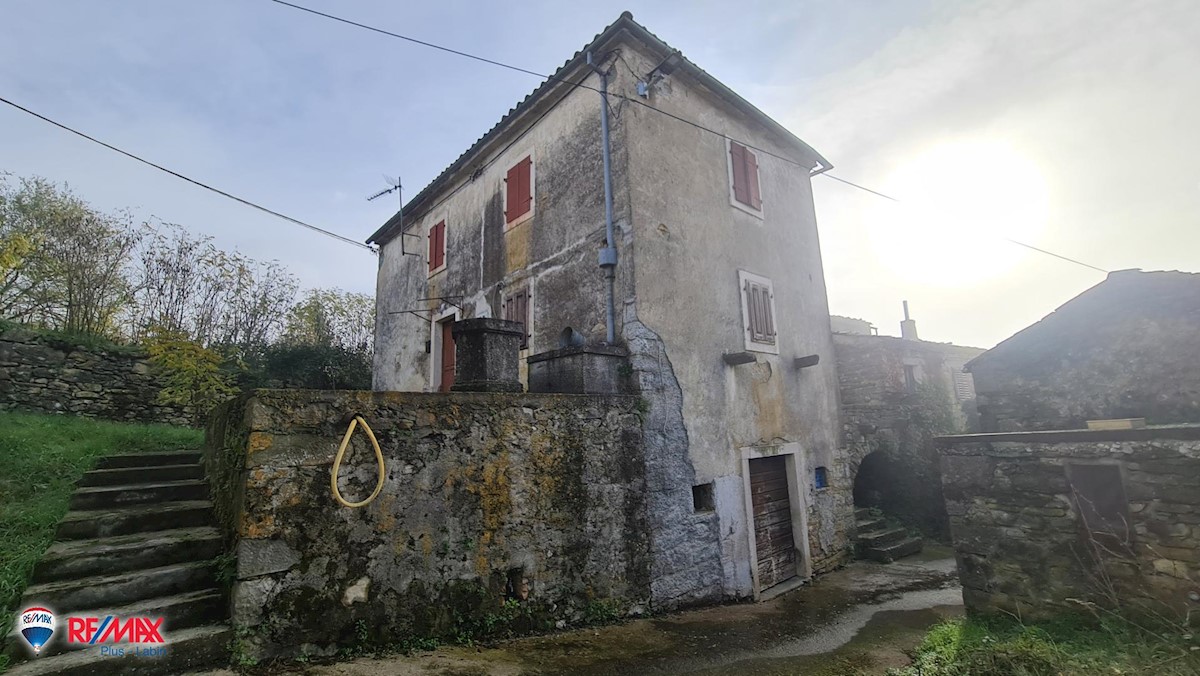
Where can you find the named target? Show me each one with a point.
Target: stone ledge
(1182, 432)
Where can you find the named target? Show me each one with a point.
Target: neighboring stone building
(1044, 522)
(896, 395)
(1128, 347)
(719, 293)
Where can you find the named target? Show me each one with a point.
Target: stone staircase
(138, 540)
(879, 540)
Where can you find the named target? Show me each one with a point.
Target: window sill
(434, 272)
(521, 220)
(746, 208)
(761, 348)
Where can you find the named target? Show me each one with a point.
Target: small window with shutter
(516, 309)
(518, 192)
(437, 247)
(758, 313)
(743, 178)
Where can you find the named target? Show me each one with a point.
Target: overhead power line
(294, 221)
(643, 104)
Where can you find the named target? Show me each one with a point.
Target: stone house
(1128, 347)
(896, 393)
(718, 289)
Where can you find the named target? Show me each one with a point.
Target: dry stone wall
(1043, 521)
(44, 375)
(499, 513)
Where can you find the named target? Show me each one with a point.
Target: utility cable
(193, 181)
(643, 104)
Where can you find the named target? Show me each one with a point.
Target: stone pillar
(486, 353)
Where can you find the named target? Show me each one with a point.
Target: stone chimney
(908, 327)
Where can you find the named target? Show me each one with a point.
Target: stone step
(87, 524)
(149, 459)
(906, 547)
(100, 497)
(186, 650)
(882, 538)
(869, 526)
(862, 513)
(120, 589)
(181, 611)
(132, 475)
(80, 558)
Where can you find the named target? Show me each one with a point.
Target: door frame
(797, 472)
(435, 343)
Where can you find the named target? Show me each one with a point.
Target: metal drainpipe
(608, 255)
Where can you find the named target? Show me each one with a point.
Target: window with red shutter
(744, 173)
(518, 190)
(437, 246)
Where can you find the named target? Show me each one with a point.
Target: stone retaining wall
(499, 513)
(45, 375)
(1042, 521)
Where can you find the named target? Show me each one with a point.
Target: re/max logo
(91, 630)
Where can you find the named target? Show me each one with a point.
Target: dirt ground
(858, 620)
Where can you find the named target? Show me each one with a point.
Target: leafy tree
(64, 263)
(193, 374)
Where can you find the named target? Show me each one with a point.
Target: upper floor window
(437, 247)
(516, 309)
(518, 191)
(758, 313)
(743, 177)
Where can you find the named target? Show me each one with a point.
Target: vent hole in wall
(702, 498)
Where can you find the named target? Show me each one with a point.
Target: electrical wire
(193, 181)
(580, 84)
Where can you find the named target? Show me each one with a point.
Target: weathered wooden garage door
(772, 520)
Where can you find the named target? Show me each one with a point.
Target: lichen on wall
(500, 513)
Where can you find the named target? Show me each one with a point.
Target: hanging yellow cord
(337, 463)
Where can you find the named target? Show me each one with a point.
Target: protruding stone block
(486, 355)
(595, 369)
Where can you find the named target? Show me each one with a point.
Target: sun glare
(958, 203)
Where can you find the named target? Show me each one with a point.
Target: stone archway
(874, 481)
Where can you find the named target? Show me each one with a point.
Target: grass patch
(1066, 647)
(41, 458)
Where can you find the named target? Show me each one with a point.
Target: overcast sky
(1071, 125)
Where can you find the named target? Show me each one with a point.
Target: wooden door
(772, 521)
(447, 376)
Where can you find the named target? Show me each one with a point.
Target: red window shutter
(437, 246)
(519, 184)
(737, 154)
(752, 179)
(432, 248)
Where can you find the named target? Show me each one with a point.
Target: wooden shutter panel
(758, 313)
(512, 186)
(441, 244)
(522, 315)
(737, 154)
(432, 248)
(752, 192)
(519, 183)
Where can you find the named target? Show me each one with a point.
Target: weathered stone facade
(537, 499)
(685, 245)
(893, 421)
(1042, 519)
(42, 374)
(1128, 347)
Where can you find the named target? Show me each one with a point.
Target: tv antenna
(394, 186)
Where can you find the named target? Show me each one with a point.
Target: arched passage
(875, 482)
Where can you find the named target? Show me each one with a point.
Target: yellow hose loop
(337, 463)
